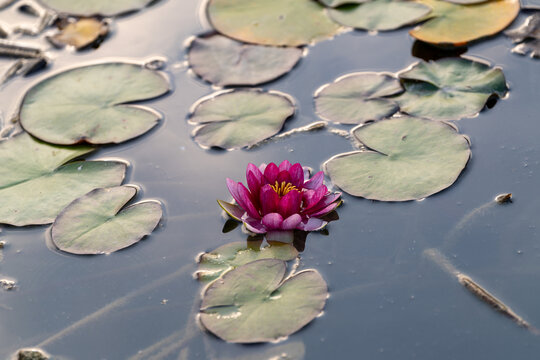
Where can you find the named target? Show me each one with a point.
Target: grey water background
(387, 300)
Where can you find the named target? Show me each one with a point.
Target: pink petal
(327, 200)
(297, 175)
(269, 200)
(283, 176)
(285, 165)
(271, 172)
(325, 210)
(254, 185)
(232, 186)
(290, 203)
(312, 197)
(291, 222)
(254, 226)
(255, 171)
(244, 201)
(315, 181)
(272, 221)
(312, 224)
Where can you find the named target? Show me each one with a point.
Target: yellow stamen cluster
(283, 188)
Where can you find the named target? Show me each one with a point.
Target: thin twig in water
(317, 125)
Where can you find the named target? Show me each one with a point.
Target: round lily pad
(357, 98)
(380, 14)
(223, 61)
(408, 159)
(35, 185)
(450, 88)
(95, 7)
(238, 118)
(276, 22)
(97, 223)
(457, 24)
(255, 303)
(229, 256)
(90, 104)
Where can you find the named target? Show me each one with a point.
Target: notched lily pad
(255, 303)
(93, 104)
(35, 185)
(276, 22)
(528, 36)
(81, 33)
(407, 159)
(380, 14)
(357, 98)
(457, 24)
(223, 61)
(227, 257)
(239, 118)
(95, 7)
(98, 223)
(450, 88)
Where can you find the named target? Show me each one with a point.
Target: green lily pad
(223, 61)
(35, 187)
(89, 8)
(357, 98)
(98, 223)
(90, 104)
(380, 14)
(276, 22)
(255, 303)
(458, 24)
(229, 256)
(449, 89)
(239, 118)
(408, 159)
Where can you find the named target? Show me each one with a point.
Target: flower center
(283, 188)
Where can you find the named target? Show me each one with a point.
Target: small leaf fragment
(81, 33)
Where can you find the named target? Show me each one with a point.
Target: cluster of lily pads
(64, 117)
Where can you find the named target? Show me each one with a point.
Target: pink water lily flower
(279, 199)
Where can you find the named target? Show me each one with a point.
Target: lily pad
(357, 98)
(35, 187)
(407, 159)
(90, 104)
(97, 223)
(450, 88)
(276, 22)
(336, 3)
(95, 7)
(239, 118)
(255, 303)
(81, 33)
(229, 256)
(380, 14)
(528, 36)
(456, 24)
(223, 61)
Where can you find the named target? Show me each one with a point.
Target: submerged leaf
(95, 223)
(223, 61)
(450, 88)
(90, 104)
(380, 14)
(229, 256)
(255, 303)
(409, 159)
(276, 22)
(528, 36)
(357, 98)
(35, 187)
(239, 118)
(455, 24)
(95, 7)
(81, 33)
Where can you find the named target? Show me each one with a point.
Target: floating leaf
(34, 187)
(528, 36)
(276, 22)
(449, 89)
(95, 223)
(409, 159)
(336, 3)
(455, 24)
(255, 303)
(81, 33)
(95, 7)
(357, 98)
(222, 61)
(234, 119)
(90, 104)
(230, 256)
(380, 14)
